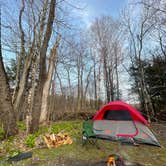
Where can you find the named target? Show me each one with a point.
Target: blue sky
(95, 8)
(89, 10)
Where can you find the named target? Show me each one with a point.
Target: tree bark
(7, 114)
(47, 36)
(21, 56)
(46, 88)
(99, 85)
(31, 96)
(42, 64)
(23, 80)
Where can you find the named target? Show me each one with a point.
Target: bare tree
(106, 31)
(7, 114)
(35, 31)
(137, 36)
(47, 83)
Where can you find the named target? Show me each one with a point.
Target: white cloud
(85, 14)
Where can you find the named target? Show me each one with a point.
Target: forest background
(53, 65)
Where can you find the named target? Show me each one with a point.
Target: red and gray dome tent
(119, 121)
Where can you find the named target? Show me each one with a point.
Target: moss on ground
(144, 154)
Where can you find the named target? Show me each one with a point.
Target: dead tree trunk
(46, 88)
(42, 63)
(47, 36)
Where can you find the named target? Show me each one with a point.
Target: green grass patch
(73, 128)
(30, 140)
(21, 125)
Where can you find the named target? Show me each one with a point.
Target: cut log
(56, 140)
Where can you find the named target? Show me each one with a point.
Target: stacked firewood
(56, 140)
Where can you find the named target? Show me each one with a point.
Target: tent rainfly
(120, 121)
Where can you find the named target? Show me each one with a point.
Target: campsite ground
(78, 155)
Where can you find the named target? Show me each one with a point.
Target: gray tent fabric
(125, 131)
(114, 128)
(145, 135)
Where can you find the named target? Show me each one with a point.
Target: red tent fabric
(117, 106)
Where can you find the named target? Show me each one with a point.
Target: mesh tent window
(117, 115)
